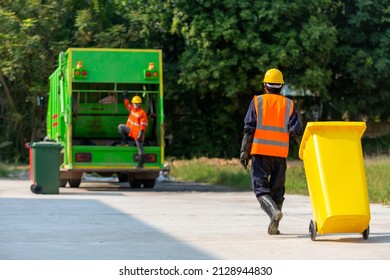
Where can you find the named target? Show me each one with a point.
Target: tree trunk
(7, 93)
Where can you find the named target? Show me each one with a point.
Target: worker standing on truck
(270, 120)
(135, 126)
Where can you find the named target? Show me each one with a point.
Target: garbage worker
(270, 120)
(135, 126)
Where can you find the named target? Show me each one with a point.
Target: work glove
(140, 137)
(244, 159)
(124, 95)
(246, 145)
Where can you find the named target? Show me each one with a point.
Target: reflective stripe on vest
(271, 136)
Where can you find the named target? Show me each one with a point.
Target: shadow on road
(171, 186)
(74, 229)
(373, 238)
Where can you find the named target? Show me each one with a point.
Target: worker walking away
(135, 126)
(270, 120)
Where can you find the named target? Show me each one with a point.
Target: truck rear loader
(85, 107)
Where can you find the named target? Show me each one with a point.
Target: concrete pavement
(173, 221)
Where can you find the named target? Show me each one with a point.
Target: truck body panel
(86, 106)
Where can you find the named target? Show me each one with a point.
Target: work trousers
(268, 176)
(124, 130)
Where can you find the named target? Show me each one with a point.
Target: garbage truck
(85, 107)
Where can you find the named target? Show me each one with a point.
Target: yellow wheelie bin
(333, 161)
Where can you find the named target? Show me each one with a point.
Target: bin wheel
(36, 188)
(313, 230)
(366, 233)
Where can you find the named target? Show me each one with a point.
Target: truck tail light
(151, 74)
(79, 72)
(83, 157)
(151, 158)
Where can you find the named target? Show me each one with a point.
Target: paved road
(182, 221)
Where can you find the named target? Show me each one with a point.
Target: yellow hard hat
(136, 99)
(273, 76)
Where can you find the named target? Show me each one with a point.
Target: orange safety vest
(271, 137)
(137, 120)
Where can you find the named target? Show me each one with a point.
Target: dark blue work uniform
(269, 172)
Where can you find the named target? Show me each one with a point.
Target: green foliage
(13, 170)
(378, 180)
(376, 146)
(212, 171)
(361, 60)
(215, 55)
(32, 34)
(225, 49)
(229, 173)
(4, 172)
(296, 179)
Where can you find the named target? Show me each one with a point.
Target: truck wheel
(134, 183)
(74, 183)
(122, 177)
(63, 183)
(149, 183)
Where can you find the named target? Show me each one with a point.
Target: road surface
(173, 221)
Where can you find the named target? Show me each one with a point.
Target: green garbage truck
(85, 107)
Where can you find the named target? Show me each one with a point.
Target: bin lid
(323, 128)
(46, 144)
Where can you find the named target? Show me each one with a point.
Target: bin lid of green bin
(325, 127)
(46, 144)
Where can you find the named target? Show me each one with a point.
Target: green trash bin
(45, 167)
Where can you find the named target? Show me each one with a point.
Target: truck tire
(149, 183)
(74, 183)
(134, 183)
(63, 183)
(122, 177)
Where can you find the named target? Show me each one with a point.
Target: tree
(215, 55)
(13, 56)
(361, 61)
(32, 34)
(225, 49)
